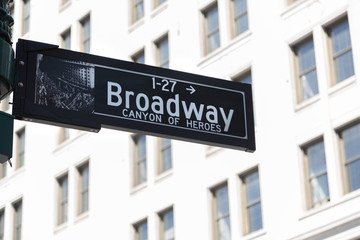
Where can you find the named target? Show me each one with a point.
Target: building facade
(301, 58)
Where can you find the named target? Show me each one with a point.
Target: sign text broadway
(175, 103)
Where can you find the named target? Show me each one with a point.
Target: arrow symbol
(191, 89)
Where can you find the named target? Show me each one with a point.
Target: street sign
(78, 90)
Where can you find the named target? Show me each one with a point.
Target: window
(350, 142)
(83, 192)
(158, 2)
(139, 57)
(221, 213)
(3, 170)
(62, 199)
(64, 134)
(17, 219)
(63, 2)
(20, 148)
(342, 57)
(139, 159)
(240, 16)
(5, 104)
(26, 17)
(212, 32)
(317, 180)
(141, 230)
(167, 225)
(252, 199)
(306, 76)
(66, 39)
(85, 35)
(162, 52)
(2, 223)
(165, 154)
(246, 77)
(137, 10)
(292, 1)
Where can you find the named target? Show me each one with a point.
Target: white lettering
(227, 119)
(175, 102)
(157, 106)
(213, 113)
(138, 102)
(115, 94)
(127, 98)
(192, 108)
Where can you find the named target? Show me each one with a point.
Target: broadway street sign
(71, 89)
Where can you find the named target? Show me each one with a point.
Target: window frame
(138, 160)
(2, 223)
(158, 3)
(81, 169)
(134, 5)
(298, 74)
(17, 219)
(163, 63)
(66, 39)
(206, 35)
(137, 226)
(328, 29)
(138, 55)
(341, 141)
(20, 147)
(26, 14)
(234, 18)
(3, 170)
(215, 219)
(245, 206)
(62, 203)
(291, 2)
(84, 39)
(161, 148)
(162, 224)
(308, 178)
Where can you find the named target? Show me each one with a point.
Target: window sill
(295, 7)
(60, 227)
(82, 216)
(138, 188)
(164, 175)
(69, 141)
(223, 50)
(211, 150)
(65, 6)
(136, 25)
(307, 103)
(158, 9)
(254, 235)
(345, 198)
(342, 85)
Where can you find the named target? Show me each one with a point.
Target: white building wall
(282, 126)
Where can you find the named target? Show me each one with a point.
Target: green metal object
(6, 80)
(6, 136)
(6, 52)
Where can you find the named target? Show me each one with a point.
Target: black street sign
(78, 90)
